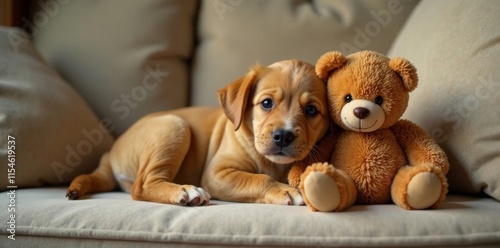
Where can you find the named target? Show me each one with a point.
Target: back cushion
(455, 46)
(237, 34)
(127, 58)
(48, 133)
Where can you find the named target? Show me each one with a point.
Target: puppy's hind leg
(160, 162)
(100, 180)
(166, 192)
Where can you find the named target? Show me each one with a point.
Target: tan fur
(380, 162)
(231, 152)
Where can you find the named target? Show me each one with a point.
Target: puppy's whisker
(318, 153)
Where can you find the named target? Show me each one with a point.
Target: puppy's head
(281, 109)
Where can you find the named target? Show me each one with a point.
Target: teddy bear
(375, 156)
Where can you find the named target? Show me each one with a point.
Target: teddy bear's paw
(322, 191)
(424, 190)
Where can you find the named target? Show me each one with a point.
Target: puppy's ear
(329, 62)
(234, 97)
(406, 71)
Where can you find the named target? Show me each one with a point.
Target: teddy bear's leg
(327, 189)
(419, 187)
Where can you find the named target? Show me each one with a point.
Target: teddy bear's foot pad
(322, 191)
(424, 190)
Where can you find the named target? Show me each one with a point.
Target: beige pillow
(48, 133)
(236, 34)
(127, 58)
(455, 46)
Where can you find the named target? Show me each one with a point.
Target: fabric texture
(56, 135)
(115, 216)
(455, 46)
(127, 58)
(235, 35)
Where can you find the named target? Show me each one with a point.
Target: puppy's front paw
(296, 198)
(193, 196)
(284, 195)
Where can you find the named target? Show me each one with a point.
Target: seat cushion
(127, 58)
(107, 218)
(455, 46)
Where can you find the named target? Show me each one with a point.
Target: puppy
(270, 118)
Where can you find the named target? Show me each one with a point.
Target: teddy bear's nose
(361, 112)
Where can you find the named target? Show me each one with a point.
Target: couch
(75, 74)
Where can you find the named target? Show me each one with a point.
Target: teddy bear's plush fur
(377, 157)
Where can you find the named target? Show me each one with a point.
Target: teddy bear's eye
(348, 98)
(379, 100)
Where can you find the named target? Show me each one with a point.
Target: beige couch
(91, 68)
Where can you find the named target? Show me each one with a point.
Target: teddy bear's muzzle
(362, 116)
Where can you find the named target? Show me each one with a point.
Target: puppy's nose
(283, 138)
(361, 112)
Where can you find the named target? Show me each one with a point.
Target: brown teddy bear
(376, 156)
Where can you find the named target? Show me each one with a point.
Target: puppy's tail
(100, 180)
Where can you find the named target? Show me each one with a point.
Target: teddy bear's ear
(406, 71)
(329, 62)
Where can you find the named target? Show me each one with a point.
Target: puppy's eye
(348, 98)
(311, 110)
(267, 104)
(379, 100)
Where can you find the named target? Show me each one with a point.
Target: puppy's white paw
(297, 200)
(194, 196)
(284, 195)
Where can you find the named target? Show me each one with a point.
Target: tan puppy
(270, 118)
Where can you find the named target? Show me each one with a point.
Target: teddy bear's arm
(419, 146)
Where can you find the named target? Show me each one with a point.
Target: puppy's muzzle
(280, 146)
(282, 138)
